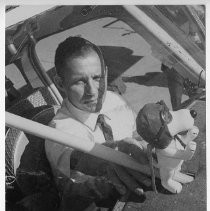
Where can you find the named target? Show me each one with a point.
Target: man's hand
(131, 179)
(136, 149)
(126, 179)
(121, 178)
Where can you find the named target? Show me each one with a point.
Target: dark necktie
(106, 129)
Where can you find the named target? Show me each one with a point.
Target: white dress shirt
(70, 119)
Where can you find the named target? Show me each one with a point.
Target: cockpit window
(14, 75)
(108, 33)
(132, 54)
(126, 53)
(190, 20)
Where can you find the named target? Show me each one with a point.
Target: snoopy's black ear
(163, 105)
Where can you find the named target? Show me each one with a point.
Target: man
(91, 112)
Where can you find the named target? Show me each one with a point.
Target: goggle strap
(149, 154)
(180, 141)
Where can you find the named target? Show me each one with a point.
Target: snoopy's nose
(193, 113)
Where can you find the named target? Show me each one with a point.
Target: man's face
(82, 80)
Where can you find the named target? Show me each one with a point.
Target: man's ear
(59, 83)
(106, 74)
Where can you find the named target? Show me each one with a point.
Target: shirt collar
(89, 119)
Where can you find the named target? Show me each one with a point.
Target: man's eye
(97, 78)
(79, 82)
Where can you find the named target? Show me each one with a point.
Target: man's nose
(91, 88)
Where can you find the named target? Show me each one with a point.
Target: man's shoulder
(62, 114)
(64, 120)
(113, 100)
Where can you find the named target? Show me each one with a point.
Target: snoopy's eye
(193, 113)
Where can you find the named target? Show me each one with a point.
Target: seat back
(39, 97)
(27, 165)
(18, 144)
(28, 172)
(16, 140)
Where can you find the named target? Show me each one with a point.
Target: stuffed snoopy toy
(171, 134)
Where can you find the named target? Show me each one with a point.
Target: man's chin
(92, 108)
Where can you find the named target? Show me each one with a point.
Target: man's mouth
(91, 101)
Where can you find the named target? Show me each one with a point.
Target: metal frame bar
(41, 71)
(75, 142)
(166, 39)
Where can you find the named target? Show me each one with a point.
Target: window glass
(103, 32)
(127, 55)
(15, 76)
(190, 20)
(131, 64)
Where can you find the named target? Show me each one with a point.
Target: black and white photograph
(105, 106)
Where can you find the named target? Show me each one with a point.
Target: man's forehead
(83, 58)
(83, 54)
(81, 65)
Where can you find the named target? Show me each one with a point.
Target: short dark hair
(71, 47)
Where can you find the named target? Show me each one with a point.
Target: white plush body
(171, 158)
